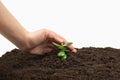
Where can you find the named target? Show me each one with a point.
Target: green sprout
(63, 49)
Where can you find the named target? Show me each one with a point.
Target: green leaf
(67, 50)
(55, 44)
(61, 54)
(68, 44)
(61, 47)
(64, 57)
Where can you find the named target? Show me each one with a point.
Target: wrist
(24, 43)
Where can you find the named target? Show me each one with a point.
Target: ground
(87, 64)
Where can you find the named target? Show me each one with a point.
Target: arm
(37, 42)
(11, 28)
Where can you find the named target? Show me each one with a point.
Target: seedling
(62, 53)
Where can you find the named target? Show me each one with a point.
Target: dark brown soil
(87, 64)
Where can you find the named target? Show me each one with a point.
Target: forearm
(11, 28)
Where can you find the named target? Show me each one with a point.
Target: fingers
(40, 50)
(59, 39)
(72, 49)
(55, 37)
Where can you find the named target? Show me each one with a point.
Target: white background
(84, 22)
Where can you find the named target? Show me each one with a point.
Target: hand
(37, 42)
(40, 42)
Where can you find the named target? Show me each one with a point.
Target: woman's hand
(40, 42)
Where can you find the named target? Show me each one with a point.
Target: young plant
(62, 53)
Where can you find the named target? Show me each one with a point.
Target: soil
(87, 64)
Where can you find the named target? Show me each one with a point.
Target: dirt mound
(87, 64)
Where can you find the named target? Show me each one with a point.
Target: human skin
(37, 42)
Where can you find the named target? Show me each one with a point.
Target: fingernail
(74, 50)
